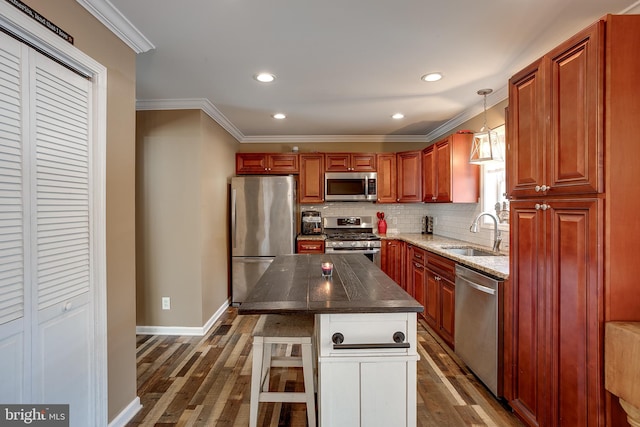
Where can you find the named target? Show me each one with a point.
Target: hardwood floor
(204, 381)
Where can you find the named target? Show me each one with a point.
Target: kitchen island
(365, 331)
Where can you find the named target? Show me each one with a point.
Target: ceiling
(342, 67)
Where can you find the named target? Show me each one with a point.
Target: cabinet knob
(542, 207)
(542, 188)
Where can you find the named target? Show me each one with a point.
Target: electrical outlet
(166, 303)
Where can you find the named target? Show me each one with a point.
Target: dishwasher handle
(398, 339)
(480, 288)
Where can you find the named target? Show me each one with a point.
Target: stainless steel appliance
(352, 234)
(263, 225)
(350, 186)
(311, 223)
(477, 323)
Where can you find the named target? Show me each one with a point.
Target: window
(494, 187)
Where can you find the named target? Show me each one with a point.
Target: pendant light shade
(485, 146)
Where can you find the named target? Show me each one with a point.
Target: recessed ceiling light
(398, 116)
(432, 77)
(279, 116)
(264, 77)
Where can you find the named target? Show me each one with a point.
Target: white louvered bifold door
(14, 330)
(45, 239)
(60, 198)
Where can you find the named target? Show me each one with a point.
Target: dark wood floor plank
(204, 382)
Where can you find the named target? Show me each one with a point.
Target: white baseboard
(184, 330)
(127, 414)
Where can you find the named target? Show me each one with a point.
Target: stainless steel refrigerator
(263, 225)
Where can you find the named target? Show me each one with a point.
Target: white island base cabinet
(367, 369)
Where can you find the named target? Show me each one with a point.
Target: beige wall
(184, 162)
(96, 41)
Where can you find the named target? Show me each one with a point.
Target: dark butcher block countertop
(294, 284)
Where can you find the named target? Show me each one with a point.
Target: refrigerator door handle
(233, 217)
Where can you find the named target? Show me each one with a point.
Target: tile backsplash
(450, 219)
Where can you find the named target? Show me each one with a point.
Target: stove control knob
(340, 243)
(353, 243)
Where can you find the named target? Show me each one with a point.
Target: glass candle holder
(327, 269)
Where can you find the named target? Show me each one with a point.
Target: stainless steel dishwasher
(477, 319)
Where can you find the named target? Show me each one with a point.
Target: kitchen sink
(469, 251)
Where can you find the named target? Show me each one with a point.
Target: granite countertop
(294, 284)
(312, 237)
(496, 266)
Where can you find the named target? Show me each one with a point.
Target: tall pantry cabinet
(572, 174)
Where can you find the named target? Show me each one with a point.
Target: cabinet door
(576, 142)
(432, 299)
(409, 176)
(575, 308)
(527, 335)
(311, 178)
(363, 162)
(417, 278)
(447, 311)
(283, 163)
(443, 171)
(337, 162)
(429, 189)
(526, 155)
(251, 163)
(387, 178)
(310, 247)
(390, 259)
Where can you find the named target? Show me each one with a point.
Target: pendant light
(485, 146)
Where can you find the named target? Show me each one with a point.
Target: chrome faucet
(497, 235)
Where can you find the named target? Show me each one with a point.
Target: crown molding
(493, 99)
(210, 109)
(332, 138)
(119, 25)
(192, 104)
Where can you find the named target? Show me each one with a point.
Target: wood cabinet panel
(387, 192)
(391, 254)
(432, 300)
(311, 178)
(447, 174)
(409, 167)
(266, 163)
(310, 246)
(350, 162)
(565, 88)
(447, 311)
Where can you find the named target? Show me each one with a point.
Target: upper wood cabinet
(409, 176)
(387, 178)
(447, 175)
(266, 163)
(311, 179)
(555, 114)
(350, 162)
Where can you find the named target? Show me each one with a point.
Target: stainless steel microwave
(350, 186)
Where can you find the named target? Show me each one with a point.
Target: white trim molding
(127, 413)
(493, 99)
(118, 24)
(210, 109)
(184, 330)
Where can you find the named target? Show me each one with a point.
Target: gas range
(350, 233)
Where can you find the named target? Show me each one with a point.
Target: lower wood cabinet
(554, 332)
(439, 306)
(310, 246)
(391, 257)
